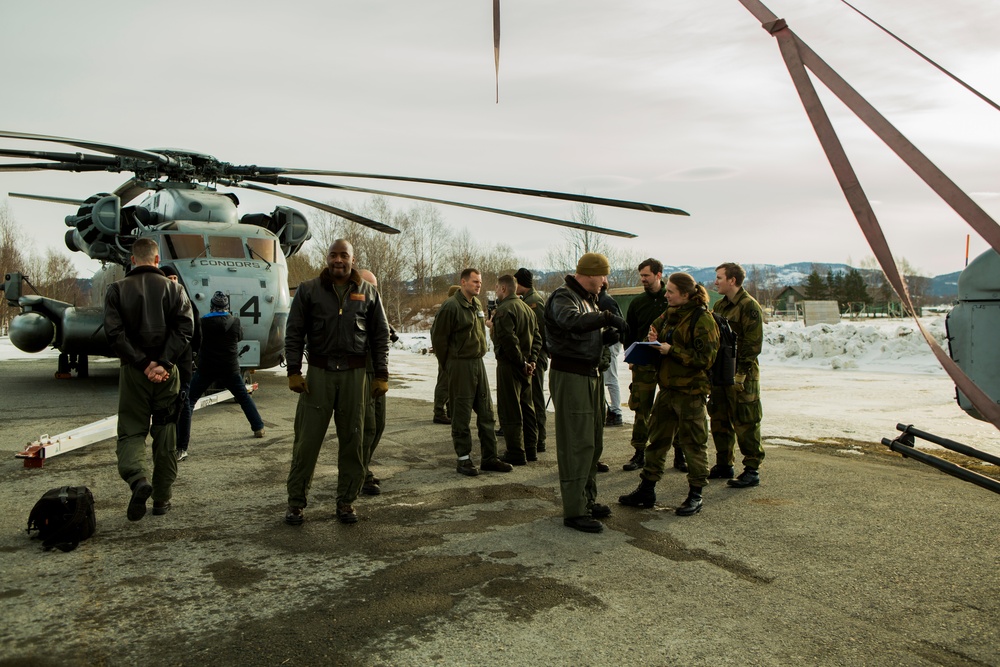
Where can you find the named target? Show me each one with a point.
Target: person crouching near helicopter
(148, 322)
(689, 341)
(219, 363)
(336, 320)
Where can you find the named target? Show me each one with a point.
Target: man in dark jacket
(574, 333)
(148, 322)
(459, 340)
(219, 361)
(336, 320)
(516, 343)
(643, 309)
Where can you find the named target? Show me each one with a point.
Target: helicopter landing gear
(69, 362)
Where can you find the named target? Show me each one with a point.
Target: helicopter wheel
(63, 370)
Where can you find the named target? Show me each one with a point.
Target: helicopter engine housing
(973, 325)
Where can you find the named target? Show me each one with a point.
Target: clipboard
(643, 353)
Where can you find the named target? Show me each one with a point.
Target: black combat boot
(749, 477)
(530, 454)
(643, 496)
(637, 461)
(692, 504)
(722, 471)
(679, 462)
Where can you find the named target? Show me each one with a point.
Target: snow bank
(894, 345)
(890, 345)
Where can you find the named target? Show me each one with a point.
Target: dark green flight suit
(573, 326)
(459, 340)
(536, 302)
(679, 417)
(338, 332)
(736, 411)
(515, 343)
(642, 310)
(148, 318)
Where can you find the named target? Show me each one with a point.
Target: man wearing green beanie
(576, 333)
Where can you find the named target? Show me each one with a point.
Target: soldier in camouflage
(689, 341)
(736, 411)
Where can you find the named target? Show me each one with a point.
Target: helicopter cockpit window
(262, 248)
(183, 246)
(226, 246)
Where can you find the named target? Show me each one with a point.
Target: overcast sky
(685, 103)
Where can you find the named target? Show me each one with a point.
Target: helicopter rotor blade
(347, 215)
(284, 180)
(54, 200)
(49, 166)
(66, 158)
(95, 146)
(549, 194)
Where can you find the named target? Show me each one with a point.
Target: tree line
(49, 273)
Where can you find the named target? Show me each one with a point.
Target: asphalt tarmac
(840, 557)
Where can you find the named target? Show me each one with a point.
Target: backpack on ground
(723, 370)
(63, 517)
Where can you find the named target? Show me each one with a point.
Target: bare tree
(762, 283)
(12, 245)
(579, 241)
(426, 236)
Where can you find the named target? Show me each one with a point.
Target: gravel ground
(843, 556)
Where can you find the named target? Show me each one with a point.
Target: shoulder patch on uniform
(699, 344)
(754, 314)
(357, 296)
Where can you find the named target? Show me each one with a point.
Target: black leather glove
(616, 321)
(612, 320)
(610, 337)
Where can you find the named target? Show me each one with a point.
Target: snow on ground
(849, 381)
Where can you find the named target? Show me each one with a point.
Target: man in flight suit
(459, 340)
(336, 321)
(576, 338)
(516, 343)
(149, 324)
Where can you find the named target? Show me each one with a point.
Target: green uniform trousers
(680, 420)
(538, 416)
(736, 420)
(579, 408)
(441, 393)
(374, 427)
(516, 410)
(343, 396)
(640, 401)
(469, 391)
(145, 408)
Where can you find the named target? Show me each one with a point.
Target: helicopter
(173, 198)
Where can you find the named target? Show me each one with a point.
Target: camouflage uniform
(459, 340)
(679, 417)
(735, 413)
(515, 343)
(536, 302)
(643, 309)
